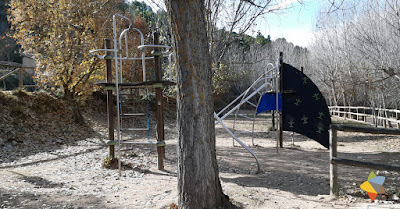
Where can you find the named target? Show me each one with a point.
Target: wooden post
(21, 78)
(334, 187)
(385, 121)
(159, 101)
(273, 120)
(365, 116)
(357, 116)
(110, 101)
(281, 91)
(374, 119)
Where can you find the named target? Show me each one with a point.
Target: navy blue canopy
(304, 107)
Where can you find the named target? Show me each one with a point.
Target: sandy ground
(70, 174)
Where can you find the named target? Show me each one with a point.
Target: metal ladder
(120, 56)
(130, 116)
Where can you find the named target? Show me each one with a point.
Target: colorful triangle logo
(373, 186)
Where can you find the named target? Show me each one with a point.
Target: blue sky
(295, 24)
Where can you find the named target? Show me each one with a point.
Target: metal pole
(237, 139)
(334, 188)
(159, 101)
(281, 91)
(110, 103)
(117, 92)
(273, 119)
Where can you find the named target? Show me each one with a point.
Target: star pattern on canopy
(304, 111)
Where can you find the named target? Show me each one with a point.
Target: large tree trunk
(198, 181)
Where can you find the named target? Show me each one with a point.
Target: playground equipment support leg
(280, 90)
(240, 142)
(110, 103)
(159, 110)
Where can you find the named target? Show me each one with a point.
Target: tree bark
(198, 181)
(69, 97)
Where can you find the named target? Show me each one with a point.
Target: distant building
(28, 63)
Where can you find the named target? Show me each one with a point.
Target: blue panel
(378, 180)
(268, 102)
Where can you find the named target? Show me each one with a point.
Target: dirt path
(297, 176)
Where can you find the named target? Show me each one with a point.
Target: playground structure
(126, 112)
(292, 95)
(268, 82)
(121, 55)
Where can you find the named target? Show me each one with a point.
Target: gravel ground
(62, 168)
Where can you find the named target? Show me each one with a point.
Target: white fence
(388, 118)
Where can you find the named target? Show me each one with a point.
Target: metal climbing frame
(122, 54)
(267, 82)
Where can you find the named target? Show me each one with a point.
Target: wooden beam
(371, 130)
(362, 164)
(334, 187)
(27, 86)
(7, 64)
(8, 74)
(159, 101)
(21, 78)
(110, 101)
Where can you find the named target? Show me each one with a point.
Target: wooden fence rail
(21, 72)
(387, 118)
(334, 160)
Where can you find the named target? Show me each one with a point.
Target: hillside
(31, 120)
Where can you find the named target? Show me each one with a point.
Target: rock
(395, 197)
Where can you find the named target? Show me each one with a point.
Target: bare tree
(240, 16)
(358, 46)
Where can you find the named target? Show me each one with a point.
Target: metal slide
(265, 83)
(240, 142)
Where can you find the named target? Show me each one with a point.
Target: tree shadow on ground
(38, 181)
(295, 171)
(17, 199)
(301, 172)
